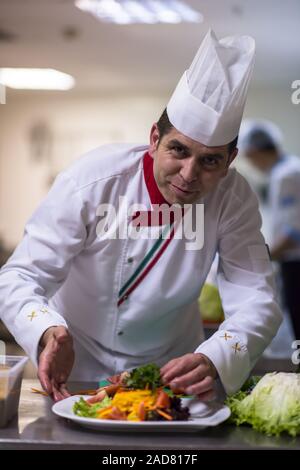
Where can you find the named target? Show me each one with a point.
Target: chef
(86, 302)
(261, 142)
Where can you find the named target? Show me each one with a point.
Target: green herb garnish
(147, 376)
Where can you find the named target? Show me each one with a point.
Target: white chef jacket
(63, 273)
(284, 199)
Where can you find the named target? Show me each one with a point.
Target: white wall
(66, 126)
(275, 104)
(69, 126)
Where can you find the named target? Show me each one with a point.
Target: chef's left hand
(192, 373)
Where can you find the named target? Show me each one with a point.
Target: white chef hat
(259, 134)
(208, 102)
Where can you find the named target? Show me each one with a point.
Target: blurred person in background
(261, 143)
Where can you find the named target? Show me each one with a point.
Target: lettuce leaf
(83, 409)
(272, 407)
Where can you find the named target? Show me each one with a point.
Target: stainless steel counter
(37, 427)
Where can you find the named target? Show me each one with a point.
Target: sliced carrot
(116, 414)
(41, 392)
(141, 411)
(104, 412)
(165, 415)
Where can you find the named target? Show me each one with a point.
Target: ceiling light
(140, 11)
(36, 79)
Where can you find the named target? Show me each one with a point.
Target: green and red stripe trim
(147, 263)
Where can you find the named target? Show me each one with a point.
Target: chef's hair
(165, 126)
(260, 140)
(260, 135)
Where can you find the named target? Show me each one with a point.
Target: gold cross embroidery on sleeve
(236, 348)
(32, 315)
(226, 336)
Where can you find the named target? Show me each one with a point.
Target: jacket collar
(154, 193)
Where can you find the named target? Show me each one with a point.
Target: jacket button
(130, 260)
(120, 333)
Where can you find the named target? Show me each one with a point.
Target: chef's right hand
(56, 361)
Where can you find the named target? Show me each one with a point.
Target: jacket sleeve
(53, 236)
(246, 285)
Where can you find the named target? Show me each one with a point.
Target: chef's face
(184, 169)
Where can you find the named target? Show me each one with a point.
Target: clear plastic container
(11, 374)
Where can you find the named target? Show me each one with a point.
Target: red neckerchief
(155, 195)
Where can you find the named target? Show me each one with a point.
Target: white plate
(202, 415)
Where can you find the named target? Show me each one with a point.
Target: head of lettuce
(272, 407)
